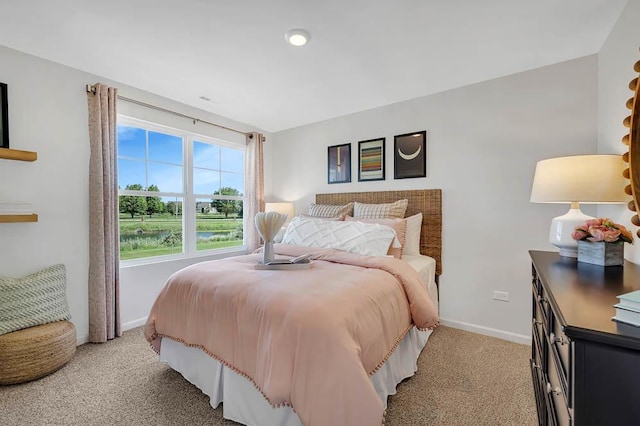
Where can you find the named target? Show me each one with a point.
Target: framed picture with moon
(339, 163)
(410, 155)
(371, 160)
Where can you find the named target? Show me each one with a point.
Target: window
(179, 193)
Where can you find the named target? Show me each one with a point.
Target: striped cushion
(328, 210)
(36, 299)
(380, 211)
(337, 218)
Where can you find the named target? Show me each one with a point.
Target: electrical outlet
(501, 295)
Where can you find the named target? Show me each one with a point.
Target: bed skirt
(244, 404)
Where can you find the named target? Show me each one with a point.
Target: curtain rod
(92, 89)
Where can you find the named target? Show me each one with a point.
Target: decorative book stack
(628, 309)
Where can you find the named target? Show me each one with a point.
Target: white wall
(615, 70)
(48, 114)
(483, 142)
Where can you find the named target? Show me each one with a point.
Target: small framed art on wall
(410, 155)
(339, 163)
(4, 117)
(371, 160)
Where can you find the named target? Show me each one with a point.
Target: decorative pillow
(380, 211)
(328, 210)
(398, 225)
(368, 239)
(412, 238)
(36, 299)
(306, 216)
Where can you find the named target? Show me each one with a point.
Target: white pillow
(368, 239)
(412, 236)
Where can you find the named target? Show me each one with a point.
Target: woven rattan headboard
(425, 201)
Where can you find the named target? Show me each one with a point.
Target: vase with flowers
(601, 242)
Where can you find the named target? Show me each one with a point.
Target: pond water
(162, 234)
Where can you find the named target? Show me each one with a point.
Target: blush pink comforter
(307, 339)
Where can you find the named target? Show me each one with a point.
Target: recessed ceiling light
(297, 37)
(204, 98)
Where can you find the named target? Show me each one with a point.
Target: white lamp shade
(588, 179)
(282, 208)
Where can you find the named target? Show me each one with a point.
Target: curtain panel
(254, 189)
(104, 303)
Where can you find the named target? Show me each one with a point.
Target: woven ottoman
(34, 352)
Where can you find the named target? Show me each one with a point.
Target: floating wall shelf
(16, 218)
(16, 154)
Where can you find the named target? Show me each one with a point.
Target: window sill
(207, 255)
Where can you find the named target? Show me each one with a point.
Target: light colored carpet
(462, 379)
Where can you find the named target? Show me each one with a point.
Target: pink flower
(597, 233)
(602, 229)
(579, 234)
(593, 222)
(611, 235)
(627, 236)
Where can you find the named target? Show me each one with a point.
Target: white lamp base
(563, 226)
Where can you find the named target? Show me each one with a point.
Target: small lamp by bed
(587, 179)
(282, 208)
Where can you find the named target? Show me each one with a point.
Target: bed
(309, 379)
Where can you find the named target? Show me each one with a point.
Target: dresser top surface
(585, 294)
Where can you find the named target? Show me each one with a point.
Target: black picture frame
(371, 160)
(410, 155)
(4, 117)
(339, 163)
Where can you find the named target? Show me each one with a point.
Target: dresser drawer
(560, 350)
(541, 307)
(538, 390)
(556, 396)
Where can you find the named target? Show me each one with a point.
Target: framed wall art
(371, 159)
(410, 155)
(4, 117)
(339, 163)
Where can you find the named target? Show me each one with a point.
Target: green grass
(159, 223)
(147, 243)
(163, 251)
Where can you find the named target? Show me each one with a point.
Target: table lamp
(282, 208)
(586, 179)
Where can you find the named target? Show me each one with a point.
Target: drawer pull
(562, 340)
(550, 389)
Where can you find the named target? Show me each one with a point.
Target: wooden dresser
(585, 367)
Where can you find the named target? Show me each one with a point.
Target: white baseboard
(487, 331)
(81, 340)
(125, 326)
(133, 324)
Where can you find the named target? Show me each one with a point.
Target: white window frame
(188, 197)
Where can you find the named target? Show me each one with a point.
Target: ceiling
(362, 54)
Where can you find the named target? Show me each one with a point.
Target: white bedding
(244, 404)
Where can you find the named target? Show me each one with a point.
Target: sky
(153, 158)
